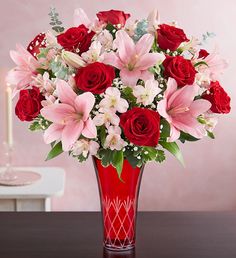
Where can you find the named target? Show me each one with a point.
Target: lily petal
(80, 17)
(65, 92)
(71, 133)
(90, 130)
(125, 45)
(129, 78)
(199, 106)
(53, 133)
(58, 113)
(148, 60)
(144, 45)
(84, 104)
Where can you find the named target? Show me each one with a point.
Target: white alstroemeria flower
(106, 39)
(146, 95)
(94, 54)
(84, 147)
(106, 118)
(113, 101)
(113, 140)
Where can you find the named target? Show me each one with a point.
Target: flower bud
(72, 59)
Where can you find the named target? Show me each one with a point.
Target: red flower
(180, 69)
(29, 104)
(76, 38)
(203, 53)
(170, 37)
(95, 77)
(113, 16)
(141, 126)
(37, 43)
(220, 101)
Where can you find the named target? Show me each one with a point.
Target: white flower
(211, 121)
(84, 147)
(106, 119)
(43, 82)
(113, 101)
(94, 53)
(106, 40)
(113, 139)
(146, 95)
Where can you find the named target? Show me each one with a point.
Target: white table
(35, 197)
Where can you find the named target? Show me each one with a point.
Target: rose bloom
(203, 53)
(141, 126)
(170, 37)
(95, 77)
(76, 38)
(113, 16)
(29, 104)
(220, 101)
(180, 69)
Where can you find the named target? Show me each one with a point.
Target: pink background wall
(209, 180)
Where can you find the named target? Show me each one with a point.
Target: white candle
(9, 120)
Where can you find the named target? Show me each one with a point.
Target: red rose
(220, 101)
(113, 16)
(170, 37)
(76, 38)
(203, 53)
(29, 104)
(37, 43)
(180, 69)
(95, 77)
(141, 126)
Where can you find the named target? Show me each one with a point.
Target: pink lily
(21, 76)
(70, 117)
(132, 59)
(181, 111)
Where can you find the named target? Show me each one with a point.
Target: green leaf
(55, 151)
(210, 134)
(200, 63)
(102, 133)
(165, 131)
(117, 161)
(106, 156)
(187, 137)
(173, 148)
(111, 29)
(160, 156)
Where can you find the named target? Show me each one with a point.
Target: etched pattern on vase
(119, 220)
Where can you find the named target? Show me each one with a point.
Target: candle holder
(11, 176)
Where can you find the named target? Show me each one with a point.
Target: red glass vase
(119, 201)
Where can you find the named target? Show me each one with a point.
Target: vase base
(118, 249)
(121, 253)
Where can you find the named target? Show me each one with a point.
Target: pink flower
(21, 76)
(70, 117)
(132, 59)
(181, 111)
(210, 72)
(84, 147)
(113, 140)
(113, 101)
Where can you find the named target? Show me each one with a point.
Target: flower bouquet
(122, 91)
